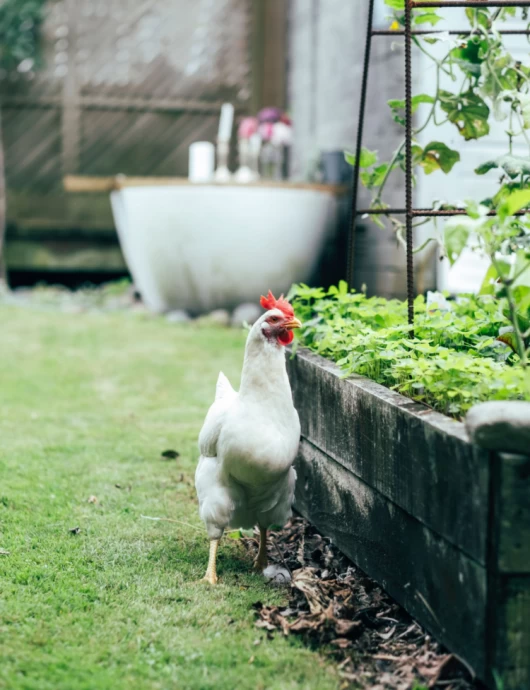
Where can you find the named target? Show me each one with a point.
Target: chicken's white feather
(248, 443)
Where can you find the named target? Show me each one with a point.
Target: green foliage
(20, 22)
(513, 166)
(467, 111)
(455, 361)
(396, 4)
(438, 156)
(398, 104)
(492, 85)
(367, 158)
(427, 18)
(456, 235)
(505, 239)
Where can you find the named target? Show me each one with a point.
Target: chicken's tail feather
(224, 387)
(216, 502)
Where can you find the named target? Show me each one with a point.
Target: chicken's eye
(274, 319)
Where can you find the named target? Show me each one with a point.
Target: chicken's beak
(293, 323)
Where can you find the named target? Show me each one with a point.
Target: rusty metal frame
(409, 212)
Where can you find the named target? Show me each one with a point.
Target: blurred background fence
(125, 87)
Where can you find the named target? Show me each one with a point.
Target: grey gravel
(219, 316)
(246, 313)
(178, 316)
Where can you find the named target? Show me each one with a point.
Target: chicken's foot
(211, 570)
(262, 561)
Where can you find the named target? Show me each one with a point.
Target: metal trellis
(409, 212)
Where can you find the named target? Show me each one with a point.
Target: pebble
(219, 317)
(277, 575)
(178, 316)
(245, 313)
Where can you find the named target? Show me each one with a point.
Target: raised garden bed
(443, 525)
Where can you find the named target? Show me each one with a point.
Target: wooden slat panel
(141, 144)
(419, 459)
(513, 509)
(64, 255)
(125, 88)
(32, 140)
(438, 584)
(30, 210)
(274, 53)
(510, 631)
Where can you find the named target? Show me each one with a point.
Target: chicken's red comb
(270, 302)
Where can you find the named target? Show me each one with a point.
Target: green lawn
(87, 404)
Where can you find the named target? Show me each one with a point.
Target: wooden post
(70, 104)
(269, 53)
(508, 616)
(3, 215)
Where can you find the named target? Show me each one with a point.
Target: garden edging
(441, 523)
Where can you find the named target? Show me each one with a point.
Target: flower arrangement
(264, 137)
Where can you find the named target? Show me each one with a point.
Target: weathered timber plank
(438, 584)
(417, 458)
(274, 53)
(86, 183)
(509, 572)
(29, 209)
(510, 632)
(64, 255)
(513, 514)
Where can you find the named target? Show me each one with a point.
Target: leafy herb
(455, 361)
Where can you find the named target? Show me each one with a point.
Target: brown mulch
(334, 606)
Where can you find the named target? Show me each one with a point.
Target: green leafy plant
(456, 360)
(490, 84)
(505, 239)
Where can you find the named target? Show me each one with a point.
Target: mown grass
(87, 404)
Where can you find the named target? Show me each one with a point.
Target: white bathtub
(205, 247)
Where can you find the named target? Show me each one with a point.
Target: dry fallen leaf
(332, 603)
(341, 642)
(93, 499)
(345, 628)
(305, 581)
(3, 552)
(387, 635)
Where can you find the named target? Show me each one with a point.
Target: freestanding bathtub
(202, 247)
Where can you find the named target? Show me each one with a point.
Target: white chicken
(249, 439)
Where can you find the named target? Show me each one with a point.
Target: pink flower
(266, 129)
(282, 134)
(269, 115)
(247, 127)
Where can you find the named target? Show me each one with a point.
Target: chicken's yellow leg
(211, 570)
(262, 561)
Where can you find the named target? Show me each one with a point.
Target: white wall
(326, 48)
(462, 183)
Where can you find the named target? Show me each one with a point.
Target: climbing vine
(488, 83)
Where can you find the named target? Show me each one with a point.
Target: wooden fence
(126, 86)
